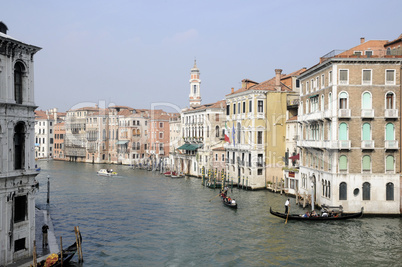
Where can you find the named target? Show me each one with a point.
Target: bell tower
(195, 83)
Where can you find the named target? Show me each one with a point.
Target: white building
(17, 158)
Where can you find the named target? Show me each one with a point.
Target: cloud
(181, 37)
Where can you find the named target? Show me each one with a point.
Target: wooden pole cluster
(34, 254)
(78, 242)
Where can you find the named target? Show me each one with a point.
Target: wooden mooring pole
(78, 242)
(61, 252)
(34, 253)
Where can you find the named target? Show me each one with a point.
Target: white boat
(107, 172)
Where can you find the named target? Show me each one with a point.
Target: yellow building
(255, 125)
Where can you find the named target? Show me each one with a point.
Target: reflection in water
(141, 218)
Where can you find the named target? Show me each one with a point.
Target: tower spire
(195, 83)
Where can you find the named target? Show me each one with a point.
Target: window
(19, 244)
(343, 163)
(389, 76)
(388, 51)
(238, 108)
(19, 145)
(322, 81)
(343, 100)
(20, 208)
(366, 77)
(307, 87)
(234, 108)
(389, 163)
(366, 133)
(343, 131)
(390, 191)
(250, 106)
(223, 157)
(227, 110)
(389, 132)
(195, 89)
(366, 163)
(244, 107)
(161, 135)
(217, 131)
(259, 137)
(330, 78)
(260, 106)
(369, 53)
(216, 157)
(343, 190)
(18, 82)
(366, 101)
(389, 103)
(343, 76)
(161, 125)
(297, 83)
(366, 191)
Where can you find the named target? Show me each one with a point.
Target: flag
(233, 136)
(226, 134)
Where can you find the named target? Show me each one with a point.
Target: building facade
(17, 153)
(349, 119)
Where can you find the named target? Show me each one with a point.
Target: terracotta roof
(294, 118)
(369, 45)
(399, 39)
(124, 112)
(295, 73)
(212, 105)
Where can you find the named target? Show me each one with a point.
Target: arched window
(389, 100)
(366, 132)
(343, 131)
(138, 146)
(104, 134)
(343, 100)
(307, 106)
(326, 189)
(322, 102)
(366, 163)
(389, 132)
(19, 146)
(343, 163)
(343, 191)
(390, 191)
(18, 82)
(366, 101)
(323, 188)
(366, 191)
(330, 101)
(329, 189)
(217, 131)
(388, 51)
(389, 163)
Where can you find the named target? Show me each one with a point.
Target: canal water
(142, 218)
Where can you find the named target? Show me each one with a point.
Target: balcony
(328, 114)
(344, 144)
(344, 113)
(391, 144)
(314, 116)
(391, 114)
(367, 113)
(367, 144)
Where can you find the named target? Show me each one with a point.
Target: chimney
(362, 40)
(278, 73)
(232, 90)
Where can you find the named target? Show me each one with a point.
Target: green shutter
(343, 163)
(390, 163)
(366, 131)
(389, 135)
(343, 131)
(366, 100)
(366, 163)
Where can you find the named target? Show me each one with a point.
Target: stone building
(350, 129)
(17, 154)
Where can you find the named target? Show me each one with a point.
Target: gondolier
(287, 204)
(45, 227)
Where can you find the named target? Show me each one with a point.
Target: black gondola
(68, 254)
(226, 203)
(319, 218)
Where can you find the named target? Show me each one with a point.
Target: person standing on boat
(287, 204)
(44, 235)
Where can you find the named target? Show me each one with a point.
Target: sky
(139, 53)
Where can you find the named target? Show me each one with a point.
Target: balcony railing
(344, 144)
(391, 114)
(367, 144)
(391, 144)
(327, 114)
(344, 113)
(368, 113)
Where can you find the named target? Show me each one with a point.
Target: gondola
(68, 254)
(226, 203)
(320, 218)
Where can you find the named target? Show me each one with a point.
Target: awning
(190, 147)
(36, 144)
(295, 157)
(313, 96)
(121, 142)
